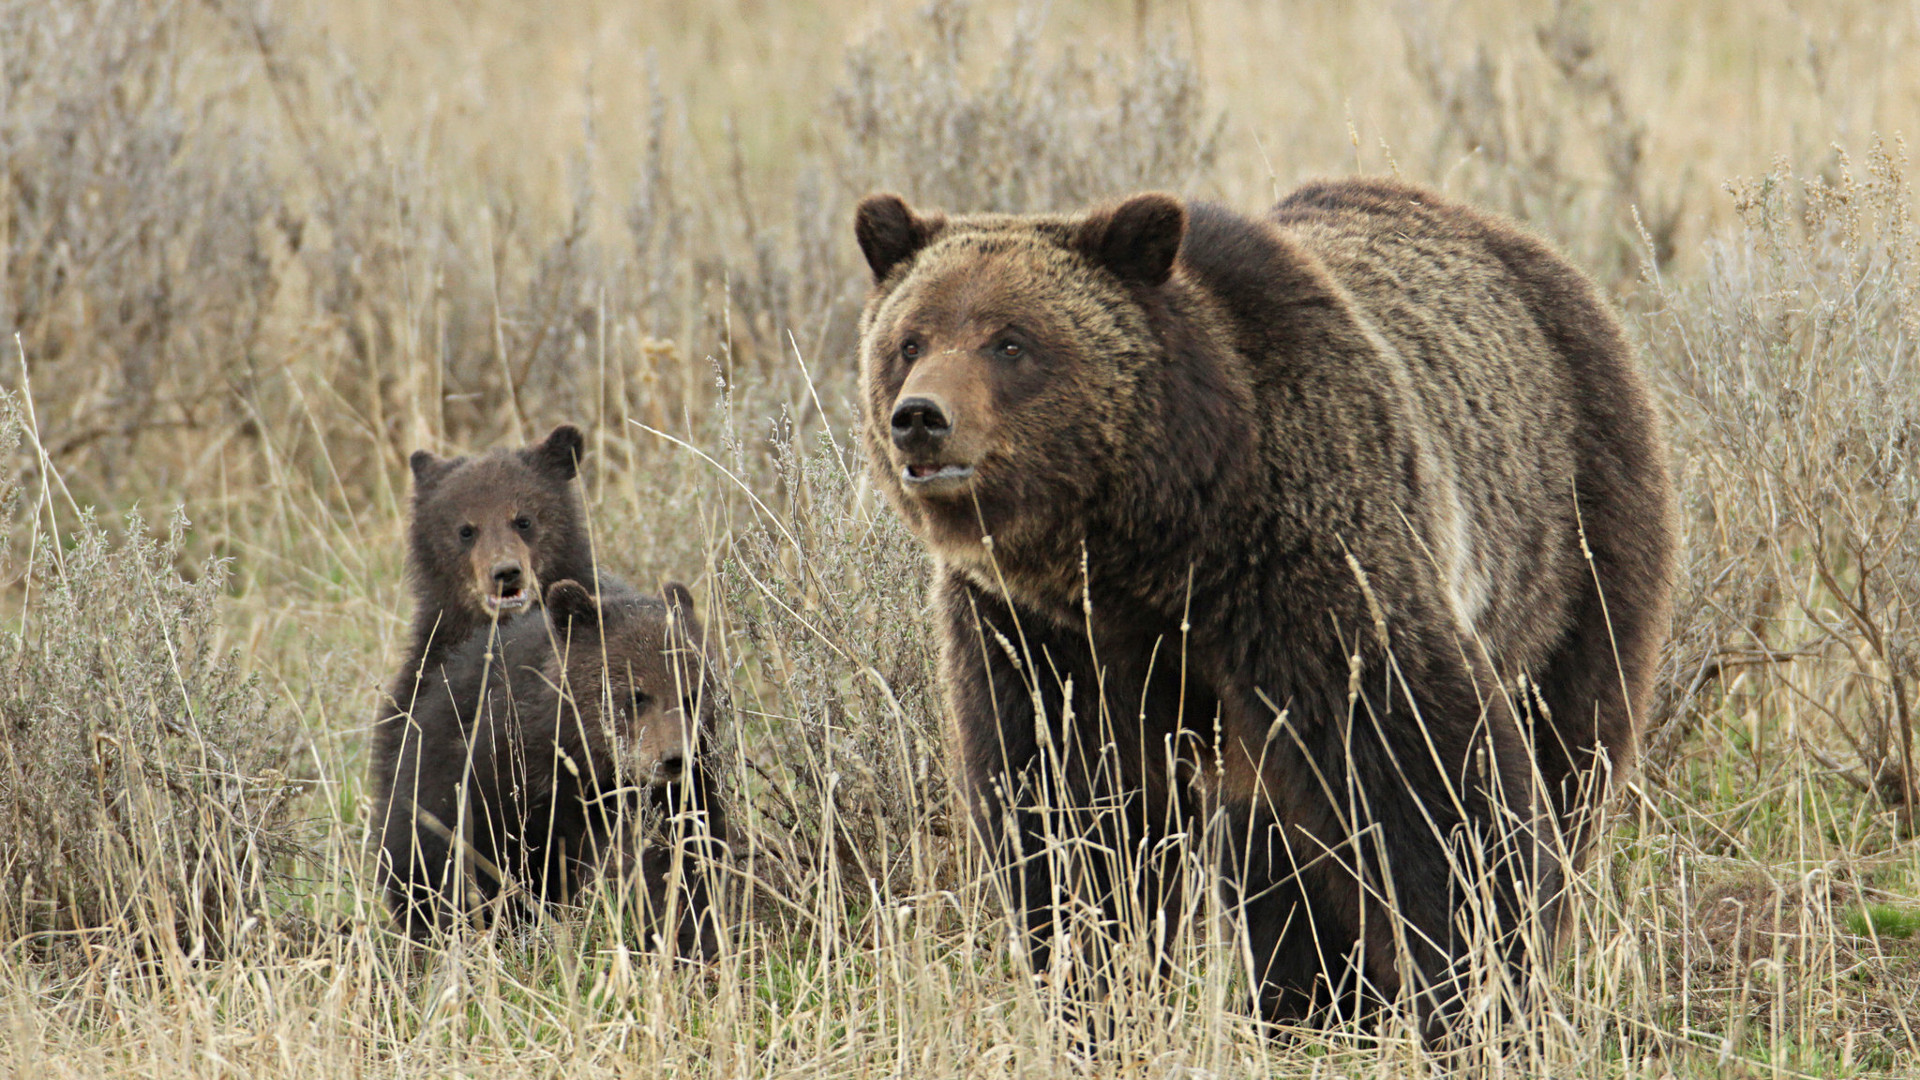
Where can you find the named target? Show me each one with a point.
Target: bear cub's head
(1001, 363)
(489, 531)
(640, 679)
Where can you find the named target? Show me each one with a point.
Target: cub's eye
(910, 349)
(467, 533)
(1009, 350)
(523, 523)
(642, 701)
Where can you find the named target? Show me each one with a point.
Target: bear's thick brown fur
(1295, 505)
(545, 748)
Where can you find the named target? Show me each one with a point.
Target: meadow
(254, 252)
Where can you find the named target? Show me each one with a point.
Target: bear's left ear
(890, 233)
(568, 600)
(428, 468)
(559, 453)
(1136, 240)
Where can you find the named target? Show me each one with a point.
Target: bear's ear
(568, 600)
(1138, 239)
(428, 468)
(890, 233)
(679, 600)
(559, 453)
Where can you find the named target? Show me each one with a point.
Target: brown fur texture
(545, 749)
(1309, 489)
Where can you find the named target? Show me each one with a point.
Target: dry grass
(252, 253)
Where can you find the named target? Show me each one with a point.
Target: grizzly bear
(488, 533)
(545, 750)
(1345, 528)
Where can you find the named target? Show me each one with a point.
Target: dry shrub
(830, 598)
(143, 788)
(1550, 137)
(1796, 369)
(1004, 128)
(135, 265)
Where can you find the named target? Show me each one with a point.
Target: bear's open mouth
(509, 600)
(933, 478)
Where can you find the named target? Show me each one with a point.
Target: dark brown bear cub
(489, 532)
(546, 751)
(1294, 508)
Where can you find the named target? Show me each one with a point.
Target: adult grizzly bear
(1283, 518)
(538, 751)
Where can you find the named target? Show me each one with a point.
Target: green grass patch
(1884, 921)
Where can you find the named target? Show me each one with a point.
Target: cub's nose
(671, 766)
(506, 577)
(921, 423)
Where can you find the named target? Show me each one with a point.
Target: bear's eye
(467, 533)
(910, 349)
(642, 701)
(1009, 350)
(523, 523)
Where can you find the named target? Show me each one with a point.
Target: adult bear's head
(1010, 369)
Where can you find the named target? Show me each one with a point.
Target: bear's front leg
(1053, 788)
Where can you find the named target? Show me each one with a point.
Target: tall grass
(253, 253)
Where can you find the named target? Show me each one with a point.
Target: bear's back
(1460, 359)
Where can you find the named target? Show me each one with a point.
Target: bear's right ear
(568, 600)
(890, 233)
(679, 600)
(428, 468)
(1138, 239)
(560, 452)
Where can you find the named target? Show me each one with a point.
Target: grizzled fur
(488, 534)
(539, 747)
(1294, 506)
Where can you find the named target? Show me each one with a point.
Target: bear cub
(551, 747)
(488, 532)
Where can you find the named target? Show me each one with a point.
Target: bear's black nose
(506, 577)
(920, 424)
(672, 765)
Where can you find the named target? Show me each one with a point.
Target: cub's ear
(1138, 239)
(679, 600)
(568, 600)
(559, 453)
(428, 468)
(890, 233)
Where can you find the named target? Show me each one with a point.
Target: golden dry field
(254, 252)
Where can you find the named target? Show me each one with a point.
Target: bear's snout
(932, 461)
(921, 424)
(659, 748)
(503, 578)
